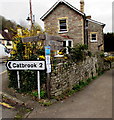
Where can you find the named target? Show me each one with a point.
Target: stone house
(65, 20)
(5, 39)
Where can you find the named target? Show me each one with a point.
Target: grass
(45, 102)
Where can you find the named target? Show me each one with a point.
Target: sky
(18, 10)
(113, 17)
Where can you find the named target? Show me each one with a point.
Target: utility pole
(31, 16)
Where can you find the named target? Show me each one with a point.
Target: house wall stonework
(75, 23)
(93, 46)
(65, 76)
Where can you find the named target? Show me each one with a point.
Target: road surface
(2, 67)
(95, 101)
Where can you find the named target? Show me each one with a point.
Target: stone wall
(66, 75)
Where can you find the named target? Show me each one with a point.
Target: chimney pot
(88, 17)
(82, 6)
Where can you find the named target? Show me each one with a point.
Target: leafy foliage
(42, 94)
(109, 59)
(109, 46)
(78, 53)
(7, 24)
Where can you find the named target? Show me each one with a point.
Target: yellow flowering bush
(60, 53)
(13, 52)
(41, 57)
(109, 58)
(26, 51)
(65, 58)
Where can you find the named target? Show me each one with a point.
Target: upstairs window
(93, 37)
(63, 25)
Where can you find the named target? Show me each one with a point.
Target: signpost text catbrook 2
(26, 65)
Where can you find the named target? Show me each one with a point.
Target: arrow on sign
(9, 65)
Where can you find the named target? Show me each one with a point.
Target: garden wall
(66, 75)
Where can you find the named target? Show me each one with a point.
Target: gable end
(56, 4)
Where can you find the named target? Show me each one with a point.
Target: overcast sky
(18, 10)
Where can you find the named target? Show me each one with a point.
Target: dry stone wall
(66, 75)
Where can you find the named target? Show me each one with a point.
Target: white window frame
(68, 45)
(68, 41)
(66, 30)
(91, 40)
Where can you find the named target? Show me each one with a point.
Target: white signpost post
(27, 65)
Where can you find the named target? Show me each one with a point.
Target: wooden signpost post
(48, 67)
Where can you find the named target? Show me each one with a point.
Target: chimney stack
(88, 17)
(82, 6)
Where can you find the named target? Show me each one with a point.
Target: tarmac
(94, 101)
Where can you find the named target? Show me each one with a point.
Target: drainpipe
(85, 31)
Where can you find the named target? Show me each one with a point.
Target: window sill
(93, 41)
(63, 32)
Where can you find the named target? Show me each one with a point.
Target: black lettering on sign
(41, 65)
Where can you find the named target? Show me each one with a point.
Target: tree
(109, 42)
(37, 28)
(7, 24)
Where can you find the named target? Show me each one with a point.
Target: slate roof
(94, 21)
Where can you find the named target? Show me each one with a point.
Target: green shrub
(35, 93)
(102, 55)
(69, 92)
(89, 80)
(78, 53)
(89, 53)
(42, 94)
(77, 87)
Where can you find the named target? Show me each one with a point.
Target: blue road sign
(47, 50)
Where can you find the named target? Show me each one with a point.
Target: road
(5, 112)
(2, 75)
(2, 67)
(95, 101)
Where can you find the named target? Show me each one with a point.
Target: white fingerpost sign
(47, 59)
(27, 65)
(48, 68)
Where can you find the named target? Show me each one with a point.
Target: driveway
(95, 101)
